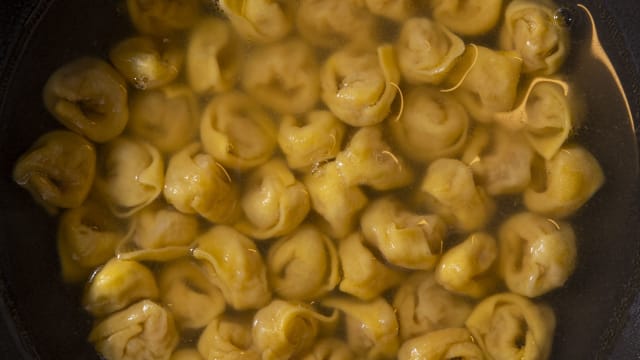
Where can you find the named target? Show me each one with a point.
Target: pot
(598, 310)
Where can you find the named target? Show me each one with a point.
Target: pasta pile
(318, 179)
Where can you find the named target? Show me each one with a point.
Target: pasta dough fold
(260, 20)
(467, 17)
(451, 343)
(329, 349)
(405, 239)
(58, 170)
(163, 17)
(508, 326)
(228, 338)
(89, 97)
(537, 254)
(358, 86)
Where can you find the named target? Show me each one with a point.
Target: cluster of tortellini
(264, 179)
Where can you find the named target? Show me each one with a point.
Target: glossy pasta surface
(319, 179)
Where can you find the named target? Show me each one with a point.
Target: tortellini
(58, 170)
(329, 349)
(546, 116)
(158, 226)
(237, 132)
(332, 23)
(118, 284)
(490, 82)
(89, 97)
(452, 193)
(537, 254)
(508, 326)
(185, 289)
(369, 160)
(213, 57)
(531, 29)
(569, 179)
(363, 275)
(371, 327)
(236, 267)
(427, 51)
(284, 76)
(303, 265)
(451, 343)
(506, 167)
(228, 338)
(404, 238)
(168, 118)
(360, 86)
(467, 17)
(423, 306)
(147, 63)
(397, 10)
(197, 183)
(433, 125)
(130, 175)
(87, 237)
(315, 138)
(163, 17)
(282, 330)
(260, 20)
(468, 268)
(335, 201)
(144, 330)
(273, 201)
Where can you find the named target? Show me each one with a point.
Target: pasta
(424, 306)
(163, 17)
(144, 330)
(283, 76)
(58, 170)
(369, 160)
(427, 51)
(303, 265)
(118, 284)
(371, 327)
(570, 178)
(273, 202)
(193, 299)
(235, 266)
(508, 326)
(451, 343)
(530, 28)
(416, 212)
(130, 175)
(359, 87)
(282, 329)
(467, 17)
(468, 268)
(363, 275)
(433, 115)
(260, 20)
(167, 118)
(405, 239)
(213, 57)
(537, 254)
(316, 138)
(332, 23)
(451, 192)
(147, 63)
(87, 238)
(89, 97)
(196, 183)
(227, 124)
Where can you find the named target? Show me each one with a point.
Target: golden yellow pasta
(147, 63)
(228, 338)
(397, 10)
(163, 17)
(260, 20)
(303, 265)
(284, 76)
(58, 170)
(186, 354)
(467, 17)
(89, 97)
(144, 330)
(451, 343)
(405, 239)
(329, 349)
(168, 118)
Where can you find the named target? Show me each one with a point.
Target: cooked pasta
(467, 17)
(228, 338)
(260, 20)
(163, 17)
(451, 343)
